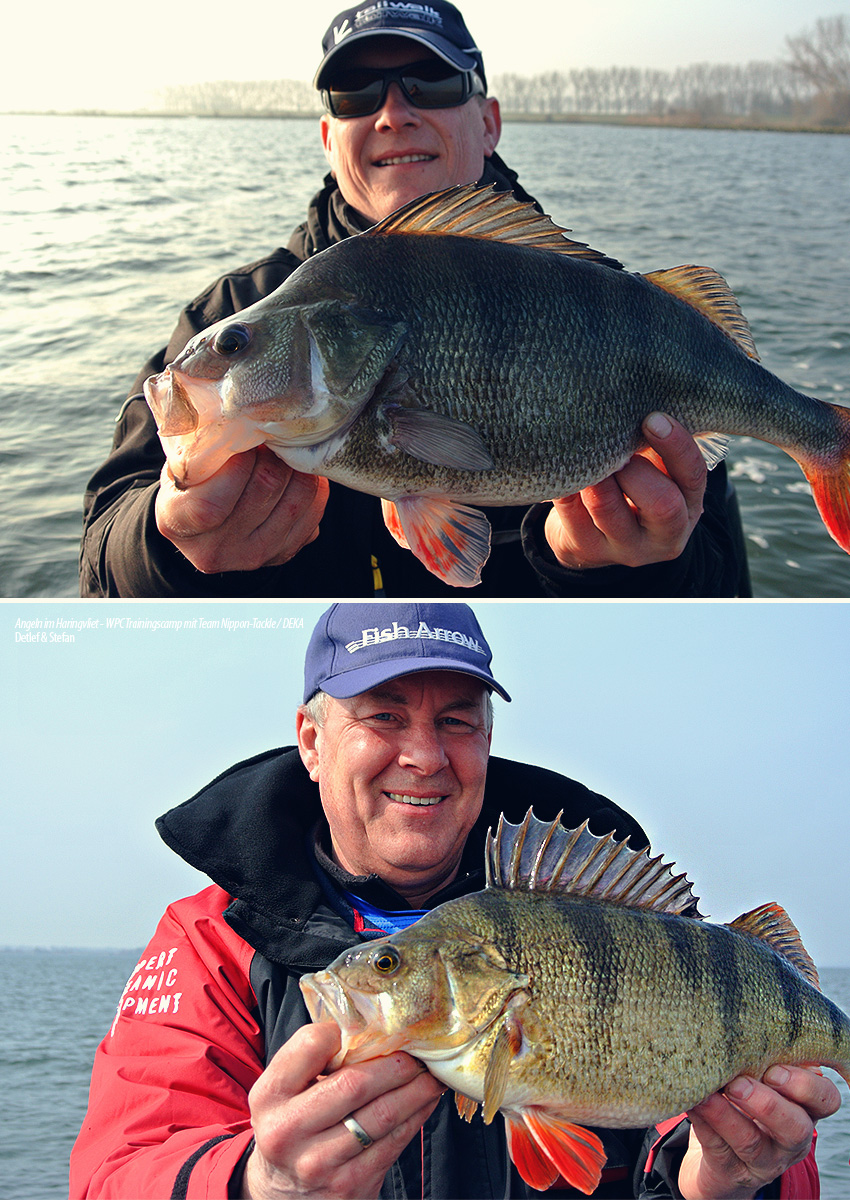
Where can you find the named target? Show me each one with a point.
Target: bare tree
(821, 55)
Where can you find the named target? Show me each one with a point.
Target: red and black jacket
(215, 994)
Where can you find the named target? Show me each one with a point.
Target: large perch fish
(571, 992)
(464, 352)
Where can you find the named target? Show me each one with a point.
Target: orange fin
(393, 523)
(546, 1145)
(452, 540)
(709, 293)
(533, 1165)
(480, 212)
(465, 1106)
(830, 481)
(771, 923)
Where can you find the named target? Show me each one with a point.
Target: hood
(251, 828)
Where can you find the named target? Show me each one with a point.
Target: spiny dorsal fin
(708, 292)
(480, 212)
(466, 1106)
(545, 857)
(771, 923)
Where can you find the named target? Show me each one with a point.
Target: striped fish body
(464, 353)
(564, 1005)
(629, 1017)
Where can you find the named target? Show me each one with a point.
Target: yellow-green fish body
(564, 1009)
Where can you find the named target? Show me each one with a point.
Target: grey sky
(95, 53)
(720, 726)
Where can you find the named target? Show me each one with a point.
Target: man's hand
(750, 1133)
(254, 512)
(643, 514)
(301, 1146)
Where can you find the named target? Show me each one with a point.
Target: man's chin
(389, 199)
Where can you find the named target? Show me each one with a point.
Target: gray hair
(316, 708)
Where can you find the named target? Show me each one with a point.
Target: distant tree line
(705, 90)
(813, 83)
(230, 97)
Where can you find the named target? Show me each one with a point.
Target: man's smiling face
(400, 152)
(401, 772)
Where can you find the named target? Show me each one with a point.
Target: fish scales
(627, 1032)
(597, 1003)
(535, 340)
(425, 367)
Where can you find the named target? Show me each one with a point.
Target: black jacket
(123, 553)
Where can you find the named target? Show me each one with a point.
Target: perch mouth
(169, 401)
(196, 435)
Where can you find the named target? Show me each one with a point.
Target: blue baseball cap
(355, 647)
(435, 24)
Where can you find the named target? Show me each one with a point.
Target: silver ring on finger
(359, 1132)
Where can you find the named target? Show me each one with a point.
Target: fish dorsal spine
(480, 212)
(708, 292)
(770, 923)
(544, 856)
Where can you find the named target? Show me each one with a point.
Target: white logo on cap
(341, 31)
(373, 637)
(415, 12)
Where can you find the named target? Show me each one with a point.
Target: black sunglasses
(361, 91)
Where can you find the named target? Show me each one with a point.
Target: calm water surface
(58, 1004)
(109, 225)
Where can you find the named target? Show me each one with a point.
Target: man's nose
(396, 111)
(422, 749)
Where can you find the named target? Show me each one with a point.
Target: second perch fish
(463, 352)
(570, 992)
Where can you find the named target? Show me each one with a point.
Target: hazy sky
(722, 727)
(94, 52)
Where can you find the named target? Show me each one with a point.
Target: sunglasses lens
(427, 92)
(356, 93)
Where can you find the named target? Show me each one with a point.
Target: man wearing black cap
(404, 89)
(213, 1083)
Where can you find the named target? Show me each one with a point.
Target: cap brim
(363, 679)
(441, 47)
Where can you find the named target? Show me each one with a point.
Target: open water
(58, 1004)
(109, 225)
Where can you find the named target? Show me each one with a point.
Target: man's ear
(308, 734)
(492, 124)
(326, 131)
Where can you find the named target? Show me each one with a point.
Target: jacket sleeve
(713, 564)
(168, 1106)
(664, 1148)
(122, 552)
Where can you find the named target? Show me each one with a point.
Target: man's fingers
(645, 513)
(294, 521)
(679, 454)
(390, 1121)
(298, 1063)
(808, 1087)
(184, 513)
(254, 512)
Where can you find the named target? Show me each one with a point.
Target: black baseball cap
(356, 647)
(437, 25)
